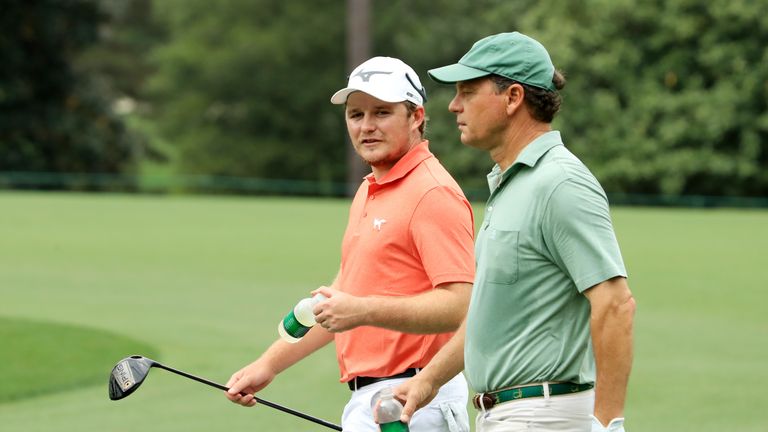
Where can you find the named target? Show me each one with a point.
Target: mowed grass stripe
(42, 358)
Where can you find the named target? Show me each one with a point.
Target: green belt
(500, 396)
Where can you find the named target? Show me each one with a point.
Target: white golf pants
(446, 413)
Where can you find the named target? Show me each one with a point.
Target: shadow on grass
(43, 357)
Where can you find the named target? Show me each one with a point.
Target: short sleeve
(442, 229)
(578, 233)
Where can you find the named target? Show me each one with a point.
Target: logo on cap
(366, 76)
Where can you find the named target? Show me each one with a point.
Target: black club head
(127, 376)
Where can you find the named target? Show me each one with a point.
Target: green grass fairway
(44, 358)
(201, 283)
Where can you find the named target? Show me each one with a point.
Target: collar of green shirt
(529, 156)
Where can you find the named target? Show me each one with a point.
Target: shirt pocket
(501, 256)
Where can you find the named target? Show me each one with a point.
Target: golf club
(131, 371)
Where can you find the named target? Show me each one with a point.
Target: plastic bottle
(299, 320)
(387, 410)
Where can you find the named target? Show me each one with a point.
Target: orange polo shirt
(407, 233)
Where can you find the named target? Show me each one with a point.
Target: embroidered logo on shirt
(377, 223)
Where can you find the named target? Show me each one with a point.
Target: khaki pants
(563, 413)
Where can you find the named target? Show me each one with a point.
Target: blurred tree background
(663, 97)
(56, 116)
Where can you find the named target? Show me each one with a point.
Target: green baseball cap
(511, 55)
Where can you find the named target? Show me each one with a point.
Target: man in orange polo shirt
(407, 261)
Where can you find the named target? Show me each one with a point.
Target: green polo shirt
(545, 238)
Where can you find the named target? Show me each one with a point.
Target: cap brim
(340, 97)
(455, 73)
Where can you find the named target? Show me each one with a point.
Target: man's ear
(418, 115)
(515, 95)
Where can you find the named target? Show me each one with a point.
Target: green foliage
(52, 118)
(664, 97)
(243, 87)
(119, 57)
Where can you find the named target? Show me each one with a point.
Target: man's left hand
(416, 393)
(341, 311)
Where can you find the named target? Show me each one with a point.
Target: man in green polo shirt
(547, 342)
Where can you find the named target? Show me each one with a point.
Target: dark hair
(543, 104)
(411, 108)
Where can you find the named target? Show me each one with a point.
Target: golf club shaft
(258, 400)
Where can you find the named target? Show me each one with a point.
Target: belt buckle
(483, 401)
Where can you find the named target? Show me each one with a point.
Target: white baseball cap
(385, 78)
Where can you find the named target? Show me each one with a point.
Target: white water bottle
(387, 411)
(299, 320)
